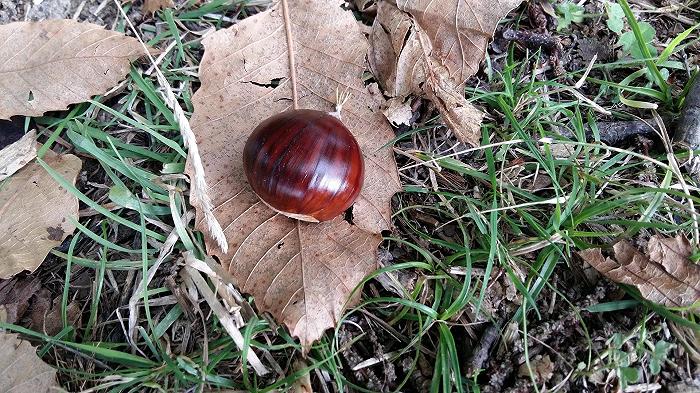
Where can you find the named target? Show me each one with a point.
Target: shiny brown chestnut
(305, 164)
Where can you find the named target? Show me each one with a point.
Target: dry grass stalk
(224, 317)
(199, 189)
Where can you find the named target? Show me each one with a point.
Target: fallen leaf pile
(14, 297)
(430, 48)
(23, 297)
(47, 66)
(663, 273)
(21, 370)
(50, 64)
(302, 273)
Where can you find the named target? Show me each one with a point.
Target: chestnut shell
(305, 164)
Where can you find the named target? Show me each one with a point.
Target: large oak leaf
(430, 47)
(302, 273)
(50, 64)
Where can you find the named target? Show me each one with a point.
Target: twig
(614, 133)
(688, 129)
(535, 41)
(199, 189)
(290, 53)
(483, 348)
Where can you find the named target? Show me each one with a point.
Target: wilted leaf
(398, 113)
(21, 370)
(663, 274)
(17, 155)
(50, 64)
(45, 314)
(151, 6)
(542, 369)
(35, 213)
(300, 272)
(431, 47)
(14, 297)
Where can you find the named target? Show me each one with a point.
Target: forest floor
(523, 312)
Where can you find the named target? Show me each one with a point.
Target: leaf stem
(290, 53)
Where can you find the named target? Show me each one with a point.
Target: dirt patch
(94, 11)
(11, 10)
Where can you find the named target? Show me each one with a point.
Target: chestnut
(304, 164)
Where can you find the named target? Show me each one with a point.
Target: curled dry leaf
(17, 155)
(302, 273)
(45, 314)
(36, 213)
(541, 368)
(398, 113)
(15, 295)
(663, 273)
(50, 64)
(21, 370)
(430, 47)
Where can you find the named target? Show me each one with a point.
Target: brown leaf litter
(21, 370)
(430, 48)
(45, 314)
(302, 273)
(51, 64)
(36, 213)
(14, 297)
(663, 272)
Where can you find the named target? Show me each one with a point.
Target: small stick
(688, 129)
(481, 352)
(614, 133)
(290, 53)
(535, 41)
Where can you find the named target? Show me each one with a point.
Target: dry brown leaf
(151, 6)
(17, 155)
(398, 113)
(542, 369)
(35, 213)
(14, 297)
(51, 64)
(430, 47)
(663, 274)
(45, 315)
(302, 273)
(21, 370)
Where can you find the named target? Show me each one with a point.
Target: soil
(101, 12)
